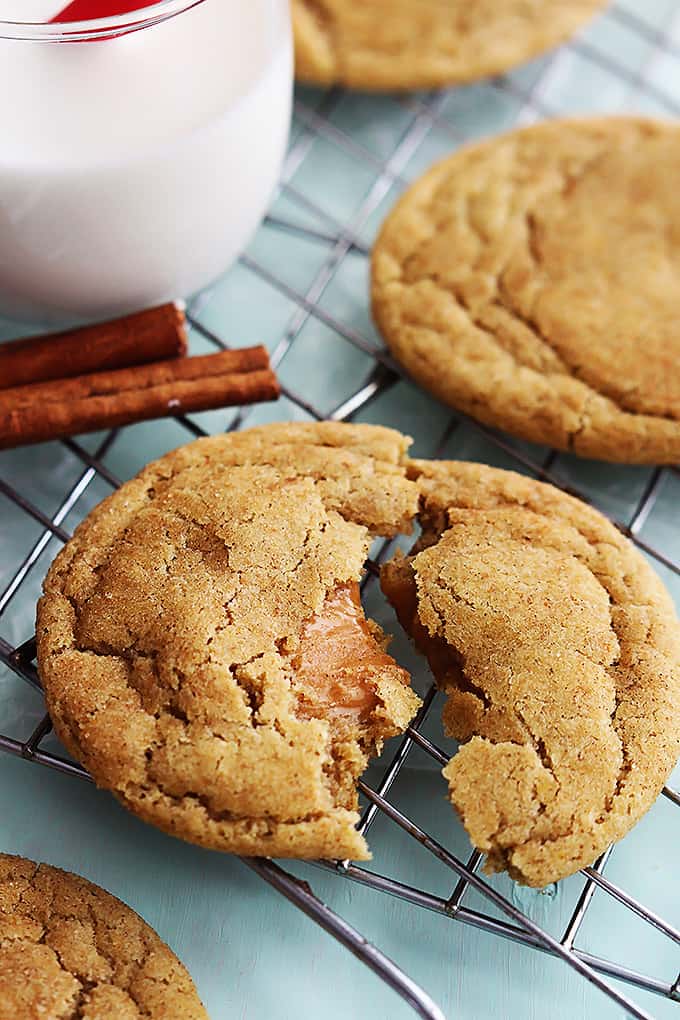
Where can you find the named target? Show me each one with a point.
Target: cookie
(532, 281)
(69, 950)
(557, 647)
(202, 645)
(399, 44)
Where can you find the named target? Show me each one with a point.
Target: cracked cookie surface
(202, 647)
(557, 647)
(71, 951)
(399, 44)
(532, 281)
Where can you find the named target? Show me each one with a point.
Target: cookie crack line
(225, 816)
(503, 298)
(171, 708)
(476, 321)
(537, 741)
(133, 651)
(84, 985)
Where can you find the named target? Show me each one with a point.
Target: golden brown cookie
(558, 649)
(69, 950)
(202, 645)
(533, 281)
(414, 44)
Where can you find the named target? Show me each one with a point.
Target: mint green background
(252, 955)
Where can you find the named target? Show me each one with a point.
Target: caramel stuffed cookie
(205, 654)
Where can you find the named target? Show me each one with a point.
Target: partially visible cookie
(69, 950)
(402, 44)
(558, 649)
(203, 648)
(533, 281)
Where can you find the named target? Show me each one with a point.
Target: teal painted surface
(253, 956)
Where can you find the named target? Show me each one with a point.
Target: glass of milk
(138, 152)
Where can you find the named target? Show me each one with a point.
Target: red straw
(88, 10)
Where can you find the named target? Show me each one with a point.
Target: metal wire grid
(342, 239)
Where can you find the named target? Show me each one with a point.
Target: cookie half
(399, 44)
(202, 644)
(532, 281)
(557, 647)
(69, 949)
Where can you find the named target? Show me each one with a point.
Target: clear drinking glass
(137, 153)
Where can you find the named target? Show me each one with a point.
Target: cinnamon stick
(151, 335)
(88, 403)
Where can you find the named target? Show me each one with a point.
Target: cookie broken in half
(557, 647)
(202, 644)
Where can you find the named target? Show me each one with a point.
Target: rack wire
(342, 240)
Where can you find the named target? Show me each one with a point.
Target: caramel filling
(337, 655)
(440, 655)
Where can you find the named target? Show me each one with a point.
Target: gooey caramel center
(336, 658)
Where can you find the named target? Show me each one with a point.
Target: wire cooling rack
(520, 97)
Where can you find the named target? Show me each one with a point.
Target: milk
(133, 170)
